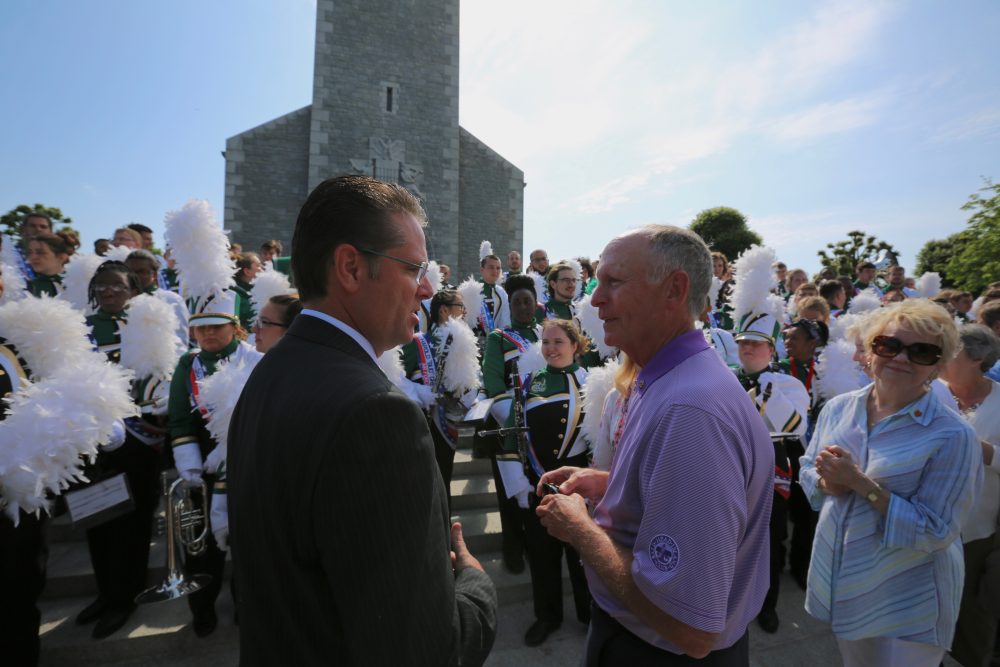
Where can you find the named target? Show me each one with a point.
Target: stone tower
(385, 103)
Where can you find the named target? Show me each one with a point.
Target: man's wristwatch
(875, 493)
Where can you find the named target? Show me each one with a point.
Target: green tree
(10, 223)
(936, 254)
(978, 263)
(843, 256)
(725, 229)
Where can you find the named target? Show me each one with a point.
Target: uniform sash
(428, 375)
(197, 374)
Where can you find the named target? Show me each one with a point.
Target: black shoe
(513, 560)
(800, 579)
(91, 612)
(205, 622)
(539, 632)
(110, 622)
(767, 619)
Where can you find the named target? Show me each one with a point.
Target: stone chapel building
(385, 103)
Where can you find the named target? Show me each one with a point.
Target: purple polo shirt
(690, 493)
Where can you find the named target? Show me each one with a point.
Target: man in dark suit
(338, 515)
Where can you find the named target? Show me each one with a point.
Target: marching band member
(206, 272)
(47, 255)
(146, 267)
(553, 414)
(781, 400)
(248, 266)
(505, 349)
(445, 362)
(487, 301)
(119, 548)
(561, 284)
(61, 390)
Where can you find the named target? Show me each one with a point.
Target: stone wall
(266, 180)
(364, 47)
(491, 205)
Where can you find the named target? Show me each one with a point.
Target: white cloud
(828, 118)
(985, 123)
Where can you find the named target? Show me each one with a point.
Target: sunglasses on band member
(924, 354)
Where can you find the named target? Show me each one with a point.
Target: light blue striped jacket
(899, 576)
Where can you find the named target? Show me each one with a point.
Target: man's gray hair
(673, 248)
(981, 344)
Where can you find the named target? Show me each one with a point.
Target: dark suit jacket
(339, 518)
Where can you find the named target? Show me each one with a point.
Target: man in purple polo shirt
(676, 553)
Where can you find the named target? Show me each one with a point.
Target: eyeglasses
(421, 267)
(566, 281)
(924, 354)
(265, 324)
(114, 289)
(457, 305)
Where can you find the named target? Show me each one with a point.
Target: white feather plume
(472, 296)
(268, 284)
(929, 284)
(541, 288)
(836, 371)
(149, 346)
(117, 253)
(220, 392)
(752, 275)
(593, 326)
(80, 270)
(485, 250)
(434, 276)
(974, 310)
(69, 408)
(200, 249)
(531, 360)
(391, 363)
(14, 285)
(461, 370)
(713, 292)
(46, 331)
(864, 301)
(600, 381)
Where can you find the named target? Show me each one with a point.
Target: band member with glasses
(119, 548)
(47, 255)
(553, 411)
(893, 473)
(423, 358)
(561, 281)
(274, 319)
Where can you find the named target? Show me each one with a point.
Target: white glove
(469, 398)
(420, 394)
(191, 477)
(219, 519)
(522, 499)
(515, 481)
(116, 439)
(187, 457)
(215, 458)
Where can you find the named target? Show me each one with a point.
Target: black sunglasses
(924, 354)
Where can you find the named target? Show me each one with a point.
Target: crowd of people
(663, 419)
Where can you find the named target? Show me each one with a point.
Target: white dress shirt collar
(346, 328)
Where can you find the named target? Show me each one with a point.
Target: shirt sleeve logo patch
(664, 553)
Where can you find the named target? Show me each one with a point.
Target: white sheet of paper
(479, 410)
(97, 498)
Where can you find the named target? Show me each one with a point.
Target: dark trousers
(24, 552)
(511, 516)
(119, 548)
(609, 644)
(545, 554)
(445, 457)
(212, 561)
(803, 517)
(779, 531)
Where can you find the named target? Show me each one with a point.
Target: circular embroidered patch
(664, 553)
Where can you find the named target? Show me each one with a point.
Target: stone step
(472, 492)
(480, 528)
(467, 466)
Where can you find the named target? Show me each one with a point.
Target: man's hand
(460, 556)
(565, 517)
(589, 483)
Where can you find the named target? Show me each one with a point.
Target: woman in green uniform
(119, 548)
(553, 411)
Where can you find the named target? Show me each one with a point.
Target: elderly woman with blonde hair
(893, 473)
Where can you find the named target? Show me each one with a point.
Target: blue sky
(813, 118)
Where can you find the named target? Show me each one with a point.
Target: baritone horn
(186, 529)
